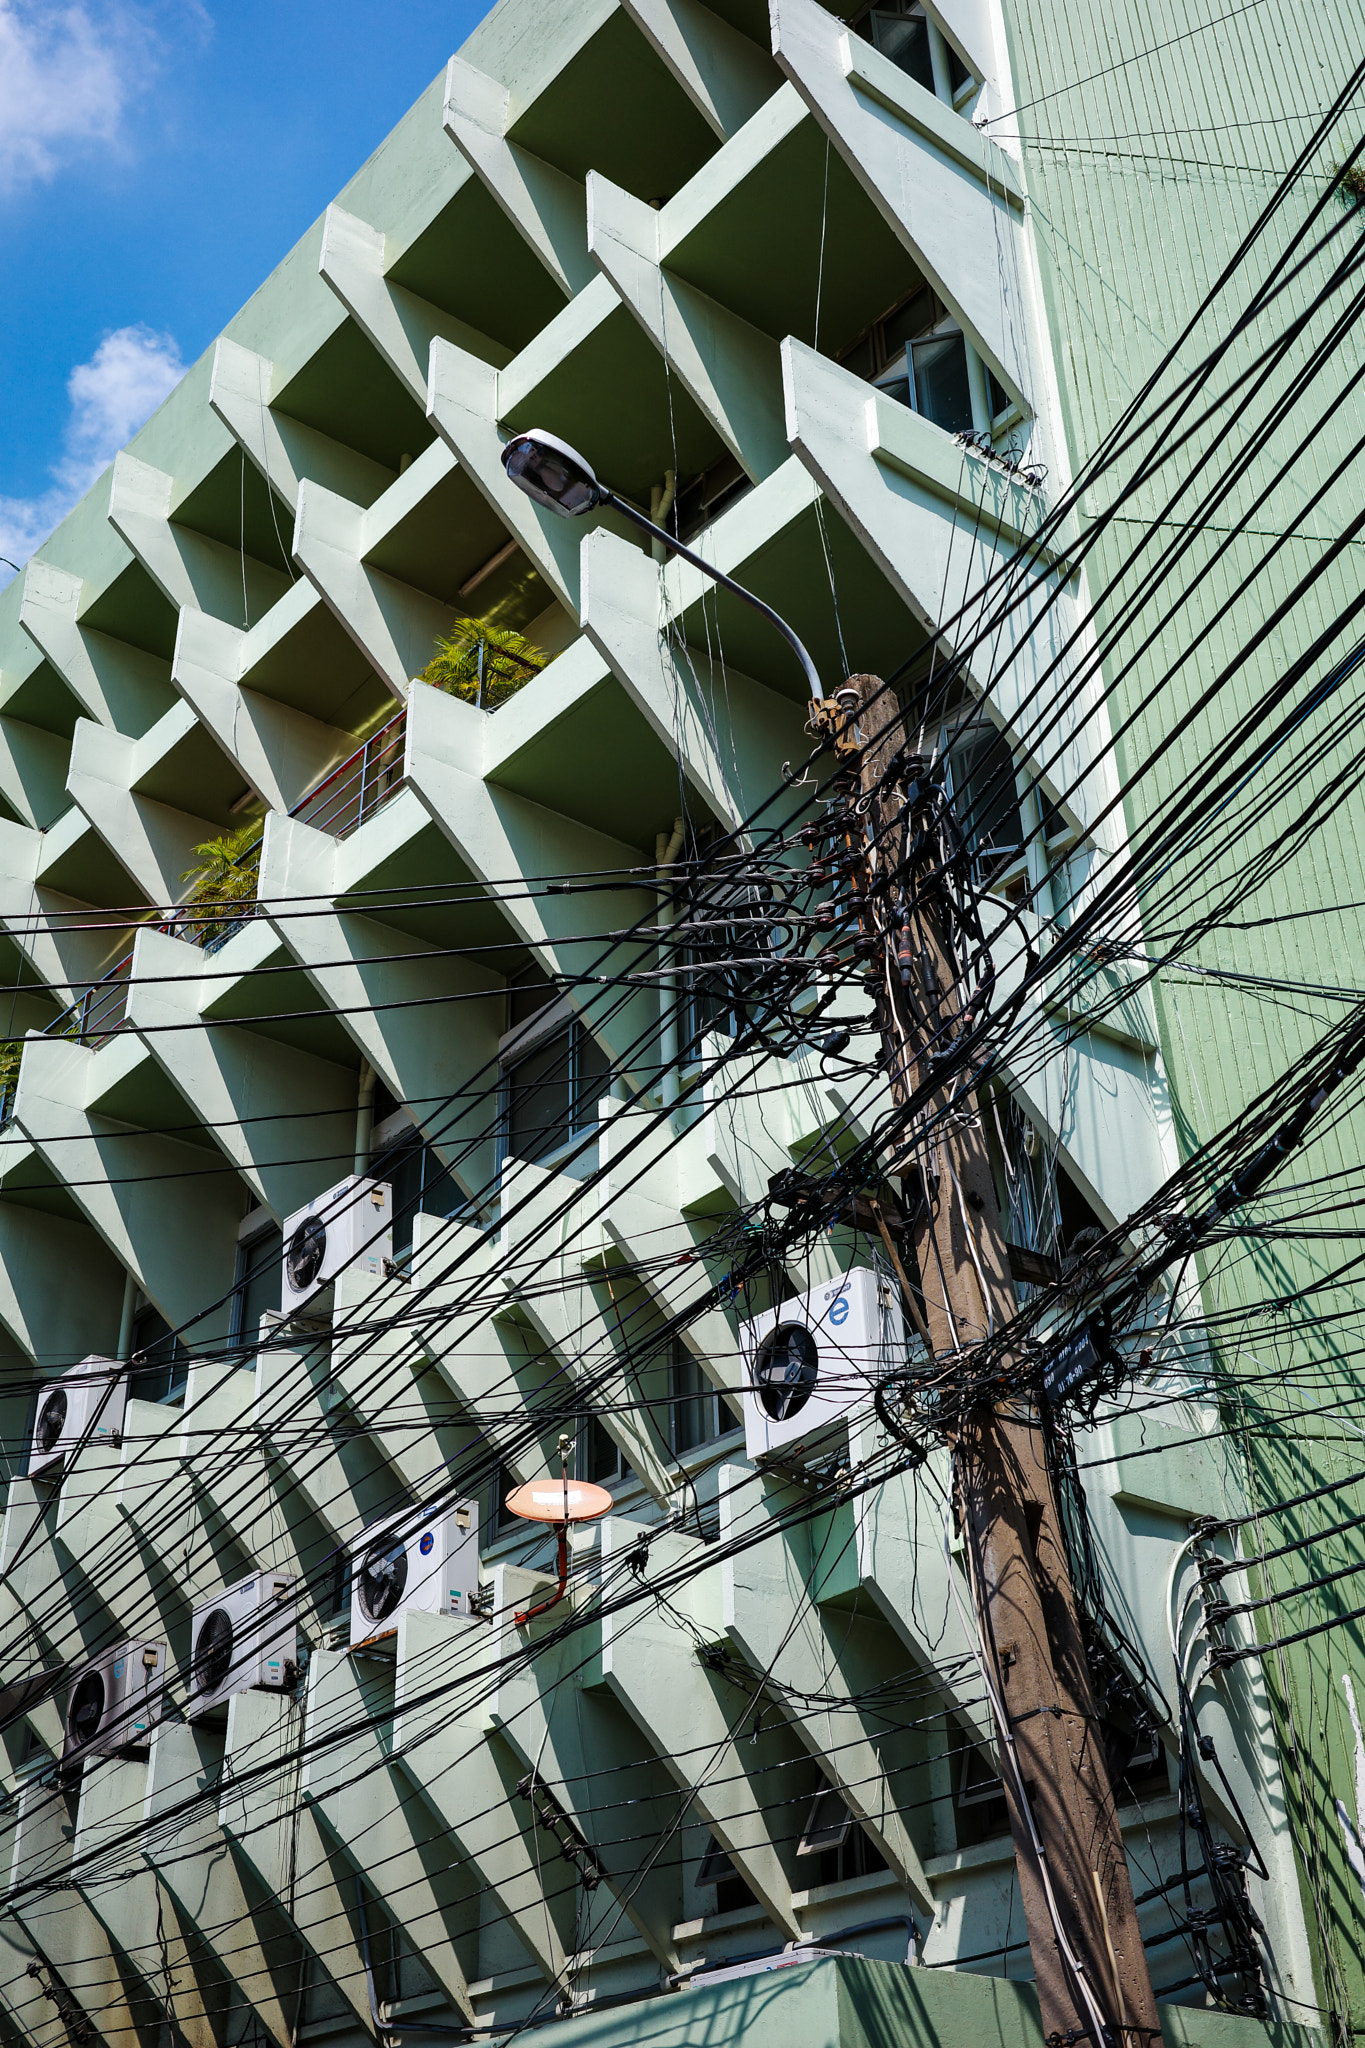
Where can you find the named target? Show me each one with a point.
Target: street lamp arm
(725, 582)
(558, 477)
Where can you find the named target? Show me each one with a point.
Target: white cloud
(68, 74)
(111, 396)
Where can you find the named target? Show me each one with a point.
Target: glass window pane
(904, 38)
(591, 1068)
(402, 1169)
(985, 794)
(258, 1284)
(860, 358)
(419, 1181)
(441, 1193)
(895, 380)
(696, 1406)
(538, 1105)
(161, 1362)
(598, 1457)
(941, 386)
(958, 74)
(919, 315)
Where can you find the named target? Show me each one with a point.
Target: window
(258, 1284)
(844, 1848)
(980, 1802)
(500, 1516)
(903, 36)
(901, 30)
(942, 383)
(985, 795)
(708, 495)
(716, 1868)
(160, 1361)
(420, 1181)
(917, 354)
(553, 1092)
(598, 1456)
(712, 992)
(336, 1590)
(695, 1405)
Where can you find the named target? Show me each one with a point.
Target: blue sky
(157, 159)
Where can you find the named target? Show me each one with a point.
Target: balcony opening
(983, 786)
(421, 1181)
(980, 1809)
(703, 498)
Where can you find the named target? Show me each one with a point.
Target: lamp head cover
(559, 1501)
(552, 473)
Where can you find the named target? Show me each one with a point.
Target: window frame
(404, 1144)
(681, 1357)
(582, 1436)
(884, 372)
(999, 875)
(179, 1358)
(523, 1043)
(956, 95)
(242, 1275)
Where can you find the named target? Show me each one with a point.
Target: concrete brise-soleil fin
(951, 196)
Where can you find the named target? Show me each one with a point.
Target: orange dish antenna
(560, 1502)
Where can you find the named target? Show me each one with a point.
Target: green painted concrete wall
(853, 2002)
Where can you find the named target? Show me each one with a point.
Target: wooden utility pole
(1088, 1960)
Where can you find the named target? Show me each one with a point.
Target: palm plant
(484, 664)
(227, 874)
(11, 1052)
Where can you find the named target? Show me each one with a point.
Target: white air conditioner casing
(424, 1559)
(65, 1408)
(351, 1225)
(111, 1701)
(811, 1360)
(242, 1639)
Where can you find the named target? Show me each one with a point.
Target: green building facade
(850, 297)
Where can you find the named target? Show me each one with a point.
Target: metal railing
(99, 1011)
(340, 804)
(354, 791)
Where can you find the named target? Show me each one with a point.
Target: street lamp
(556, 476)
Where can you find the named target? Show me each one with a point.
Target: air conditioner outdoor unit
(352, 1224)
(112, 1699)
(811, 1360)
(242, 1639)
(424, 1558)
(66, 1408)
